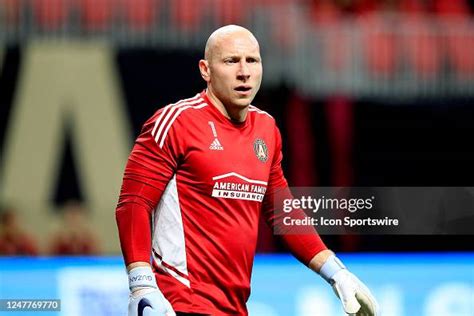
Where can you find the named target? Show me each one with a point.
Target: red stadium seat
(460, 50)
(380, 45)
(454, 18)
(11, 11)
(230, 11)
(187, 14)
(421, 45)
(413, 7)
(325, 14)
(365, 6)
(96, 14)
(141, 14)
(458, 8)
(285, 33)
(50, 14)
(422, 48)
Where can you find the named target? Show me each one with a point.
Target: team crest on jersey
(260, 149)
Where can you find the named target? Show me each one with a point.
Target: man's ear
(205, 70)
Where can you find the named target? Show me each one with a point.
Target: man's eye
(230, 61)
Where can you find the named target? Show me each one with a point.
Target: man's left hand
(355, 296)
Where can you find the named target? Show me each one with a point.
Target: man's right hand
(145, 297)
(149, 302)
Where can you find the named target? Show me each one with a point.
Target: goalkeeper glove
(355, 296)
(145, 297)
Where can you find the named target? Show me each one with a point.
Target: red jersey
(202, 181)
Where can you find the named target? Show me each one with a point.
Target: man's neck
(235, 114)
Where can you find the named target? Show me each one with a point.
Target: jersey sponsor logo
(216, 144)
(261, 150)
(239, 188)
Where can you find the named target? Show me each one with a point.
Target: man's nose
(244, 71)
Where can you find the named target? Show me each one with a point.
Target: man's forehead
(237, 46)
(231, 38)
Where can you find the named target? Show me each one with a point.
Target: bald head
(229, 31)
(232, 69)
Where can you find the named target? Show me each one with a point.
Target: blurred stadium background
(366, 93)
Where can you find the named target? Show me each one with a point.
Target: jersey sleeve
(149, 169)
(304, 244)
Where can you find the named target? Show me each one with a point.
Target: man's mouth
(243, 88)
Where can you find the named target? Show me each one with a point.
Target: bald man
(202, 172)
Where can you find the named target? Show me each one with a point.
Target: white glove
(145, 297)
(355, 296)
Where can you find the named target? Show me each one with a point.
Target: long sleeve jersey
(194, 187)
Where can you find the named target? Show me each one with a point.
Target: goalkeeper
(201, 173)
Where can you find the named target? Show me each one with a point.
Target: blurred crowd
(72, 236)
(143, 14)
(359, 7)
(420, 35)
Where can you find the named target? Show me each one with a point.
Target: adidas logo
(216, 145)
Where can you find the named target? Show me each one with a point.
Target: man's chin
(243, 102)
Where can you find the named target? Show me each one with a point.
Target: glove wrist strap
(141, 277)
(330, 268)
